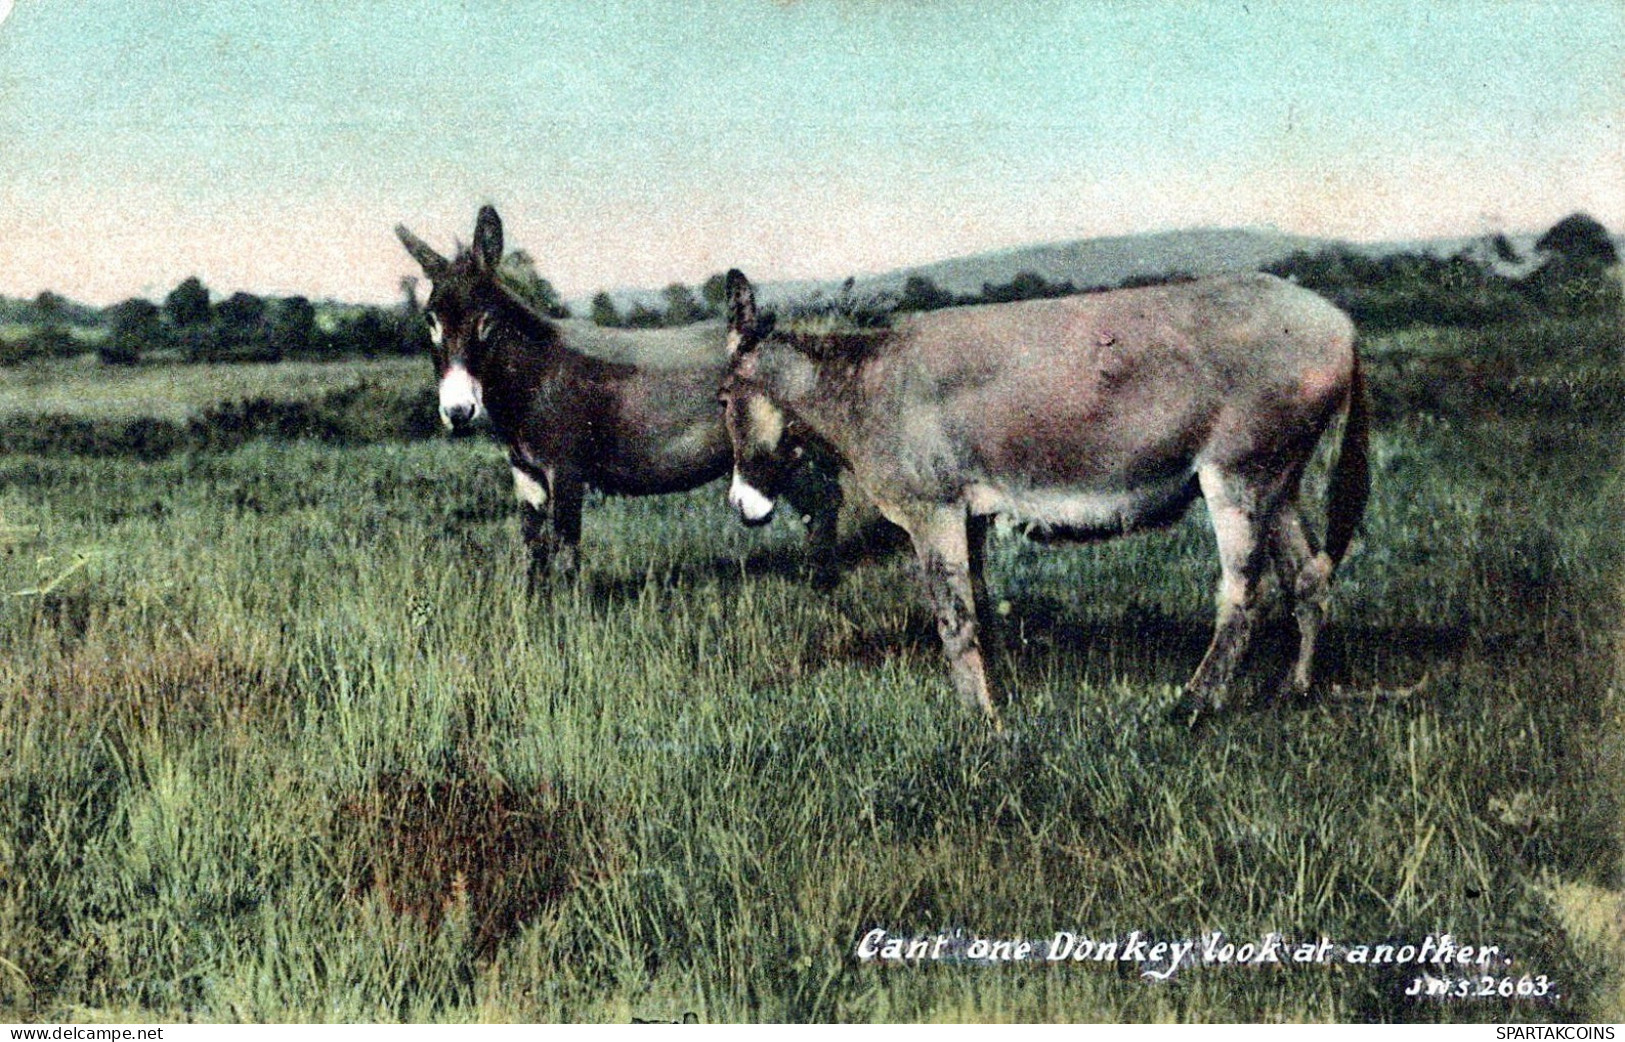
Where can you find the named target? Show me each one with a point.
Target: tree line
(193, 327)
(1572, 272)
(680, 306)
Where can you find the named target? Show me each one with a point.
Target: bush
(144, 438)
(374, 333)
(358, 415)
(922, 294)
(1026, 285)
(1406, 289)
(15, 351)
(846, 310)
(135, 327)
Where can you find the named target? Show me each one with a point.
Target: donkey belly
(656, 482)
(1055, 514)
(650, 467)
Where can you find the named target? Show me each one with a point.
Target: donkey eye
(482, 326)
(433, 323)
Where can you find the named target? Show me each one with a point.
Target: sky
(273, 146)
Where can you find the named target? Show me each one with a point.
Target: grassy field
(282, 739)
(84, 388)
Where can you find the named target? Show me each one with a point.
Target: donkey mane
(681, 347)
(701, 344)
(846, 328)
(847, 346)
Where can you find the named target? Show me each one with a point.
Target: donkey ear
(488, 239)
(432, 263)
(742, 315)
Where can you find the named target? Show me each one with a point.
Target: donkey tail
(1351, 480)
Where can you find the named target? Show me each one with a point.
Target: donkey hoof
(1288, 695)
(542, 580)
(1191, 711)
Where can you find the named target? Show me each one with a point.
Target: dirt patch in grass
(460, 845)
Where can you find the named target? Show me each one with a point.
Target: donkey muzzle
(456, 417)
(754, 508)
(459, 399)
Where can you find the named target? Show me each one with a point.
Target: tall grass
(290, 743)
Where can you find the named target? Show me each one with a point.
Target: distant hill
(1109, 260)
(1086, 262)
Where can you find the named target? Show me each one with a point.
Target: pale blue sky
(272, 146)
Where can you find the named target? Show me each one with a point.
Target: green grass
(85, 388)
(284, 740)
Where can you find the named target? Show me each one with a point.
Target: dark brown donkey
(1081, 418)
(577, 405)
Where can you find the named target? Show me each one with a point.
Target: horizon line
(861, 276)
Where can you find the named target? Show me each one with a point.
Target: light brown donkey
(1079, 417)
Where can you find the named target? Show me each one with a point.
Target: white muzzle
(460, 400)
(751, 504)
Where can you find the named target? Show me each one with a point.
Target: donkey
(631, 413)
(1079, 417)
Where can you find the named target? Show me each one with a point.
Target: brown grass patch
(178, 689)
(460, 844)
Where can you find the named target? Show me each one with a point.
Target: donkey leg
(568, 493)
(815, 493)
(1305, 574)
(550, 521)
(976, 529)
(535, 518)
(1241, 517)
(989, 631)
(942, 545)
